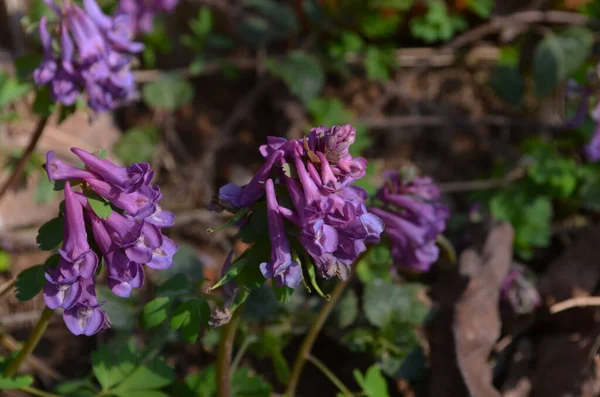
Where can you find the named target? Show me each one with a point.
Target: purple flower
(413, 219)
(307, 181)
(143, 11)
(94, 53)
(592, 149)
(520, 291)
(282, 267)
(128, 239)
(86, 317)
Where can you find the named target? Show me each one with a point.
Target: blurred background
(481, 95)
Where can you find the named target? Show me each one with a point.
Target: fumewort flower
(413, 219)
(143, 11)
(313, 212)
(128, 238)
(519, 290)
(592, 149)
(87, 50)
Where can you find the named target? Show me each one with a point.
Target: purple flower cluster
(313, 176)
(126, 239)
(413, 219)
(143, 11)
(519, 291)
(92, 53)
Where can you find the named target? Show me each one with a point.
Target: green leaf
(137, 145)
(111, 366)
(101, 207)
(170, 92)
(140, 393)
(378, 62)
(190, 316)
(372, 383)
(233, 272)
(384, 302)
(44, 191)
(303, 74)
(245, 385)
(376, 26)
(437, 24)
(508, 83)
(43, 105)
(175, 285)
(123, 312)
(101, 153)
(4, 261)
(266, 21)
(251, 277)
(15, 383)
(203, 384)
(359, 340)
(589, 194)
(234, 219)
(26, 64)
(154, 375)
(375, 264)
(50, 234)
(30, 282)
(346, 310)
(559, 55)
(155, 312)
(76, 388)
(283, 294)
(483, 8)
(312, 276)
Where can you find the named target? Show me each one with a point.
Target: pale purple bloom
(520, 291)
(143, 11)
(413, 219)
(86, 317)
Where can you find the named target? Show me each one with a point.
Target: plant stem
(4, 288)
(311, 337)
(329, 374)
(30, 343)
(240, 353)
(20, 166)
(37, 392)
(224, 354)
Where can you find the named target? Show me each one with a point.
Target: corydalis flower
(93, 54)
(592, 149)
(312, 177)
(127, 240)
(413, 219)
(520, 291)
(143, 11)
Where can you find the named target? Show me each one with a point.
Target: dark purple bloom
(413, 219)
(93, 53)
(128, 239)
(282, 267)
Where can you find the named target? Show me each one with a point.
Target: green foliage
(508, 83)
(529, 215)
(15, 383)
(559, 55)
(483, 8)
(302, 73)
(437, 24)
(168, 93)
(123, 312)
(373, 383)
(30, 282)
(50, 234)
(156, 42)
(265, 22)
(4, 261)
(189, 317)
(271, 344)
(138, 144)
(155, 312)
(243, 384)
(122, 372)
(375, 264)
(374, 25)
(555, 173)
(44, 190)
(346, 310)
(378, 62)
(100, 206)
(11, 90)
(384, 302)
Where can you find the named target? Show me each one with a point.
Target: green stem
(240, 353)
(311, 337)
(30, 343)
(224, 354)
(329, 374)
(37, 392)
